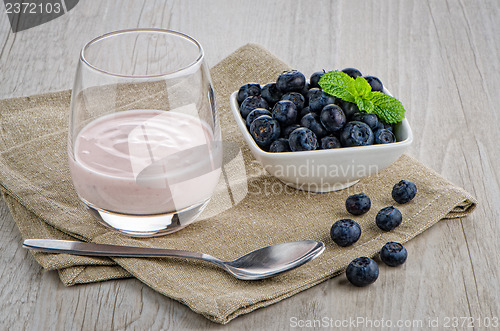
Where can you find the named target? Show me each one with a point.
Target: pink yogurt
(145, 162)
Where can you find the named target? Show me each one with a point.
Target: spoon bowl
(275, 259)
(262, 263)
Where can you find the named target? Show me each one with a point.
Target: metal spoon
(259, 264)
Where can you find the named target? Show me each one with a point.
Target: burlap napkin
(36, 186)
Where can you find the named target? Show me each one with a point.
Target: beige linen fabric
(36, 185)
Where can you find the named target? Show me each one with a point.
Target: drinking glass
(144, 137)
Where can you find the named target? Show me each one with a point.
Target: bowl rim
(320, 152)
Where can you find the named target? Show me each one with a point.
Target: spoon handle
(91, 249)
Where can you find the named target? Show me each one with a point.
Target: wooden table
(441, 58)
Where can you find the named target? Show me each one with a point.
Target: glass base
(147, 225)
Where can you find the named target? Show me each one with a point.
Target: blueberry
(345, 232)
(302, 139)
(315, 77)
(295, 97)
(318, 99)
(362, 271)
(384, 136)
(375, 83)
(305, 91)
(312, 122)
(404, 191)
(264, 130)
(256, 113)
(251, 103)
(388, 218)
(304, 111)
(332, 118)
(285, 112)
(271, 93)
(248, 90)
(330, 142)
(356, 134)
(368, 118)
(358, 204)
(291, 81)
(311, 91)
(285, 133)
(393, 254)
(279, 145)
(379, 126)
(352, 72)
(388, 126)
(349, 108)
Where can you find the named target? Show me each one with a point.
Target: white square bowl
(328, 169)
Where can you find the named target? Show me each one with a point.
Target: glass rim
(196, 62)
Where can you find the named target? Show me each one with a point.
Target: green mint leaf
(363, 88)
(387, 108)
(338, 84)
(365, 105)
(359, 91)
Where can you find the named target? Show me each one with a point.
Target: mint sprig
(340, 85)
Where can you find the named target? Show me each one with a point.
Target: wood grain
(441, 58)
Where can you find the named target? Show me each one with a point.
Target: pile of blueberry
(295, 115)
(364, 271)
